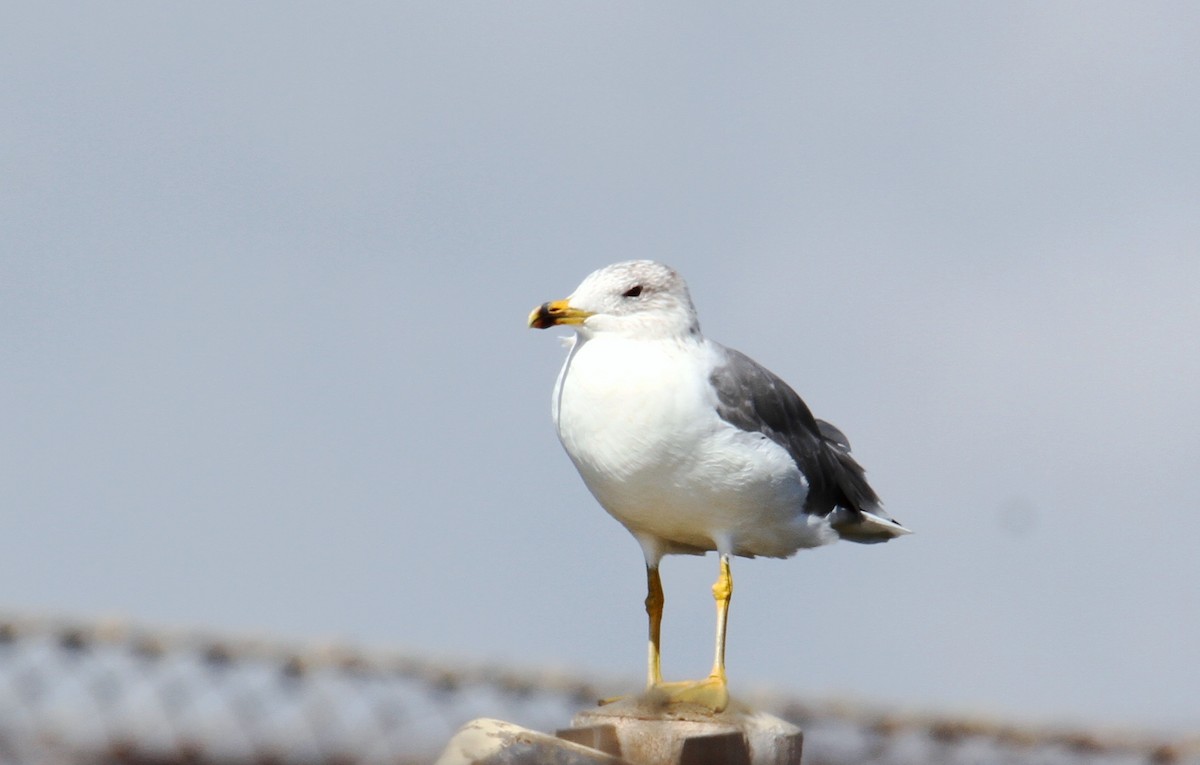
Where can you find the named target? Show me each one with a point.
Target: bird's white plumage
(637, 413)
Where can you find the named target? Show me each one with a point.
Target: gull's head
(637, 298)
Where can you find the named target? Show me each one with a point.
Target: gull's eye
(632, 292)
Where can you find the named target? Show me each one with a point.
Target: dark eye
(633, 291)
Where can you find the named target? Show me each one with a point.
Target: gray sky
(265, 268)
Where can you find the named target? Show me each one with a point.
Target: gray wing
(752, 398)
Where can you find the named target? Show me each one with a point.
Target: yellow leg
(711, 692)
(654, 609)
(722, 593)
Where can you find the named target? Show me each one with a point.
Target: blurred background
(265, 270)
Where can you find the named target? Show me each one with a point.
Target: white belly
(642, 428)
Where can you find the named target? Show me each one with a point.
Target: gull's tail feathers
(866, 527)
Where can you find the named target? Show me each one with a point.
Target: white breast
(639, 420)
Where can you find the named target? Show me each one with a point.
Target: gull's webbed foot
(711, 692)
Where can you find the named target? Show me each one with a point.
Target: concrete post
(647, 733)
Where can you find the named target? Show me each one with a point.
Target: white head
(637, 298)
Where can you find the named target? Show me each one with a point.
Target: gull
(695, 447)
